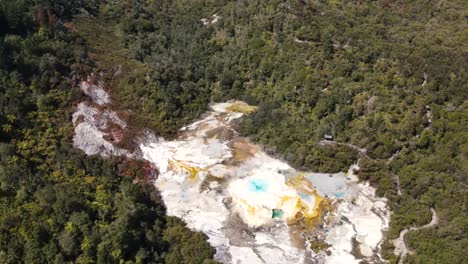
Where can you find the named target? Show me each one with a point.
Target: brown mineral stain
(243, 149)
(221, 133)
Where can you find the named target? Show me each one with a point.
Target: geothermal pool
(257, 209)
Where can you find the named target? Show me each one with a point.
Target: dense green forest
(388, 76)
(58, 205)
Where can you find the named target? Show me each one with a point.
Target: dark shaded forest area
(388, 76)
(57, 204)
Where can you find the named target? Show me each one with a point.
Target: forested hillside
(386, 76)
(58, 205)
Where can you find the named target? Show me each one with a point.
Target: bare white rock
(90, 125)
(95, 92)
(211, 20)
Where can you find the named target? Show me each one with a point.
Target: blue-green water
(258, 185)
(277, 213)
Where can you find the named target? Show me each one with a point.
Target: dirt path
(396, 179)
(361, 151)
(400, 243)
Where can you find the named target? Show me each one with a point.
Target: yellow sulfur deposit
(180, 167)
(241, 107)
(306, 208)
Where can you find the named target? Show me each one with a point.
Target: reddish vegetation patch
(121, 137)
(92, 79)
(114, 132)
(139, 170)
(44, 15)
(127, 138)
